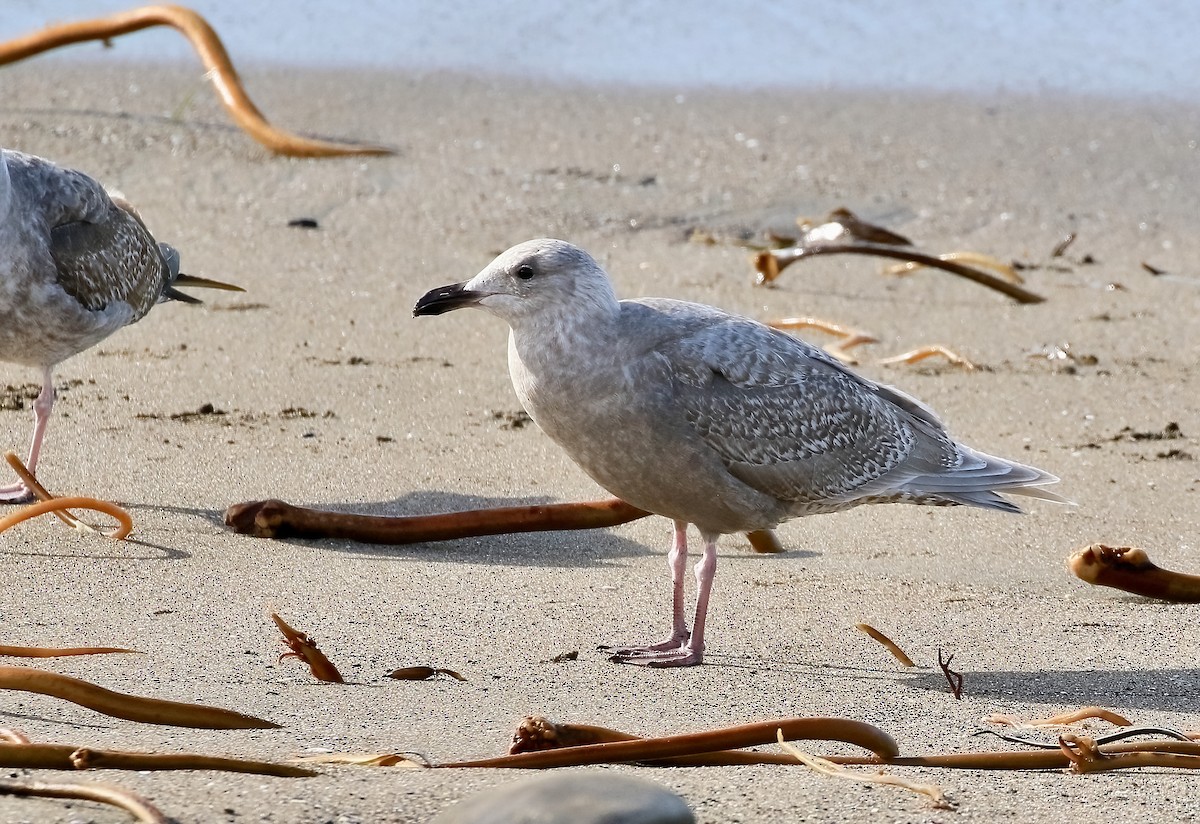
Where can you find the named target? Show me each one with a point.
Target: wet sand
(326, 392)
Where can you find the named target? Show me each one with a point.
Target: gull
(76, 264)
(712, 419)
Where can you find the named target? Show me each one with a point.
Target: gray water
(1114, 48)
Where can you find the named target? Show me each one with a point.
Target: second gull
(76, 264)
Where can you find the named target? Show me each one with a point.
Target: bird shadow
(1159, 690)
(1154, 690)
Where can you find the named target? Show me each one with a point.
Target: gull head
(537, 279)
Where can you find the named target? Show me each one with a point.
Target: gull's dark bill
(445, 299)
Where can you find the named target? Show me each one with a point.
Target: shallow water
(1120, 48)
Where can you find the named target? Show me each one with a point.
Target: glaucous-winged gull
(711, 419)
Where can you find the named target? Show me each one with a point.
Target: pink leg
(18, 493)
(677, 563)
(681, 649)
(706, 570)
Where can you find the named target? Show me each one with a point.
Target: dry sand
(331, 394)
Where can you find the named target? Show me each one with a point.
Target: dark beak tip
(443, 299)
(430, 305)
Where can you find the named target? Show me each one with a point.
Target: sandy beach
(324, 391)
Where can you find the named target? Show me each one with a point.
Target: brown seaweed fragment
(28, 755)
(931, 791)
(59, 652)
(612, 747)
(61, 506)
(141, 809)
(277, 519)
(847, 337)
(212, 53)
(129, 707)
(1063, 719)
(305, 649)
(771, 262)
(1131, 570)
(955, 679)
(419, 673)
(1086, 757)
(931, 351)
(888, 644)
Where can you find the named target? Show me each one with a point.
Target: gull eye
(525, 272)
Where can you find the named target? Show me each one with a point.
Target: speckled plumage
(709, 418)
(76, 264)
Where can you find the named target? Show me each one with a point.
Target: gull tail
(979, 479)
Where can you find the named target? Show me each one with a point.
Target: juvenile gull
(711, 419)
(76, 264)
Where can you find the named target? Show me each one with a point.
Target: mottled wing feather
(789, 421)
(108, 255)
(101, 250)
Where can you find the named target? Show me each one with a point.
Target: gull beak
(446, 299)
(195, 280)
(205, 283)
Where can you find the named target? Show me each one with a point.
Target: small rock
(591, 797)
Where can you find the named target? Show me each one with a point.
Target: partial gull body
(76, 264)
(712, 419)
